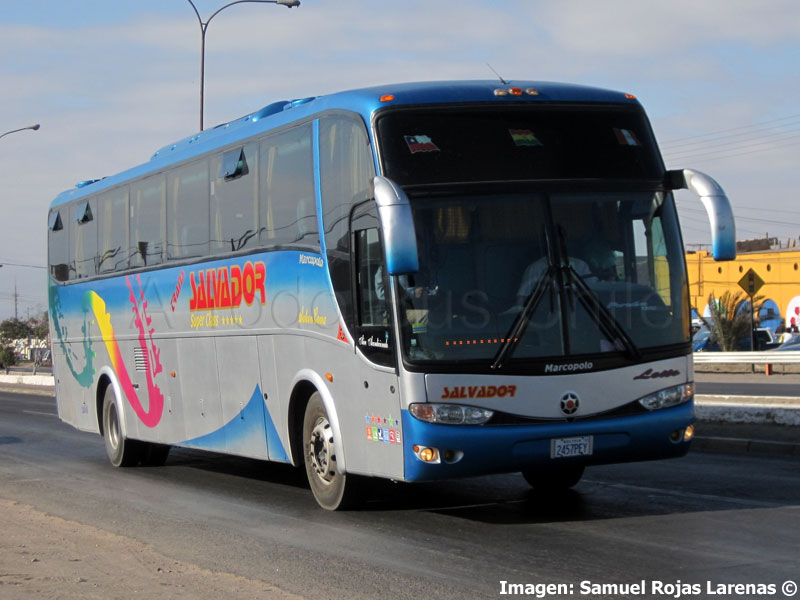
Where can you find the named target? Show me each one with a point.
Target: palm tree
(730, 320)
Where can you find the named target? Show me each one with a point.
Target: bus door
(375, 384)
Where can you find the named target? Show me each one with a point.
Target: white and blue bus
(413, 282)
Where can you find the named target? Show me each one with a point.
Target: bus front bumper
(469, 450)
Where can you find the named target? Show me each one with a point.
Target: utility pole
(15, 299)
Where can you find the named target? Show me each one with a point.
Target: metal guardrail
(747, 358)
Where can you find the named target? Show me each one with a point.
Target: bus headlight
(450, 414)
(669, 397)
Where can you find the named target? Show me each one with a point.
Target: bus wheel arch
(121, 450)
(306, 383)
(103, 383)
(106, 380)
(302, 392)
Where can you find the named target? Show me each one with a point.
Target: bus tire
(122, 452)
(332, 490)
(554, 479)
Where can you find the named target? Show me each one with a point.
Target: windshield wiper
(523, 318)
(601, 315)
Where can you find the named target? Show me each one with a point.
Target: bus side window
(147, 222)
(112, 209)
(234, 199)
(287, 197)
(187, 211)
(58, 247)
(372, 289)
(346, 173)
(83, 252)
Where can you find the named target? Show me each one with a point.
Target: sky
(111, 81)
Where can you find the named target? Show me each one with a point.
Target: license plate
(574, 446)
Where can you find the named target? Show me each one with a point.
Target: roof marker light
(630, 96)
(532, 92)
(387, 98)
(500, 92)
(515, 91)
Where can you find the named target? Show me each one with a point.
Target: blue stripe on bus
(245, 429)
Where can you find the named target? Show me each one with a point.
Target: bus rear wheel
(122, 452)
(332, 489)
(554, 479)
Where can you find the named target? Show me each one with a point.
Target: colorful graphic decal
(245, 430)
(86, 376)
(478, 391)
(420, 143)
(383, 429)
(229, 293)
(524, 137)
(152, 416)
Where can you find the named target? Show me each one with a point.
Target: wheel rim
(113, 426)
(322, 451)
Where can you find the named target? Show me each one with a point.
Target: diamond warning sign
(751, 282)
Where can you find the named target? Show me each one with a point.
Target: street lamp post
(204, 27)
(31, 127)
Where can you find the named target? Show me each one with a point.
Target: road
(707, 517)
(742, 384)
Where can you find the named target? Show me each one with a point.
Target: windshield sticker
(524, 137)
(420, 143)
(626, 137)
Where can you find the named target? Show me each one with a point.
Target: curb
(28, 380)
(744, 446)
(778, 410)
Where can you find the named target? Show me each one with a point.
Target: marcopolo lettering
(568, 367)
(228, 287)
(479, 391)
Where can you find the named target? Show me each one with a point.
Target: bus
(415, 282)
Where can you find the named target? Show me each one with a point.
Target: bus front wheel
(554, 479)
(122, 452)
(332, 489)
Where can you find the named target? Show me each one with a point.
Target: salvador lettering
(478, 391)
(227, 288)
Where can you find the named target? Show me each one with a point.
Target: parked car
(701, 342)
(792, 344)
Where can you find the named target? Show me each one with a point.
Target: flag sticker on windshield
(524, 137)
(420, 143)
(626, 137)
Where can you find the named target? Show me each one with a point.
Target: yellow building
(779, 269)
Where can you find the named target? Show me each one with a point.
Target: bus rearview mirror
(720, 213)
(397, 223)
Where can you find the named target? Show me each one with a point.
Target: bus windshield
(505, 277)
